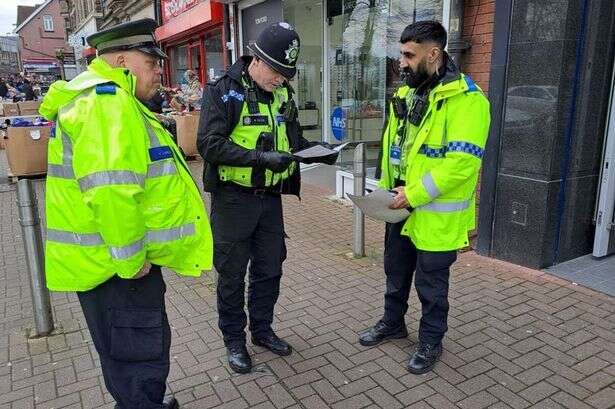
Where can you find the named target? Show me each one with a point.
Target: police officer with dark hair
(248, 129)
(432, 151)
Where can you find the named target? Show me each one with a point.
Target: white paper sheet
(318, 151)
(376, 205)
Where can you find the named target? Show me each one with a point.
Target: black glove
(275, 161)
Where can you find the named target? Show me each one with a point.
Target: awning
(203, 14)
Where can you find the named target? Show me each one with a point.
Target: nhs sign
(338, 123)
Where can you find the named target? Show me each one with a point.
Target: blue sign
(338, 123)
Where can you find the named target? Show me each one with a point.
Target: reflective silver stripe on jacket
(153, 138)
(65, 170)
(110, 177)
(60, 171)
(445, 207)
(430, 186)
(173, 233)
(81, 239)
(157, 169)
(124, 252)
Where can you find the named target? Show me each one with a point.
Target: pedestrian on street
(121, 204)
(248, 127)
(432, 151)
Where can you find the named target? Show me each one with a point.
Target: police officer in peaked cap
(134, 35)
(112, 174)
(247, 132)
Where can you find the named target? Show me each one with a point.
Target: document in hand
(376, 205)
(317, 151)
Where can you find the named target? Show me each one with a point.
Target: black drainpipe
(157, 14)
(456, 45)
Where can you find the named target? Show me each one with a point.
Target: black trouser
(130, 330)
(401, 260)
(247, 227)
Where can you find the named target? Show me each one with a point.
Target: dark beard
(415, 79)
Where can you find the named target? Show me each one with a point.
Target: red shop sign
(173, 8)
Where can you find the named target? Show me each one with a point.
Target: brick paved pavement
(518, 338)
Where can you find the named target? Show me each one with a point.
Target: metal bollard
(33, 244)
(358, 174)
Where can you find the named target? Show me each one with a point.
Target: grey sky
(8, 13)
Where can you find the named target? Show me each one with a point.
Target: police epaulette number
(160, 153)
(105, 89)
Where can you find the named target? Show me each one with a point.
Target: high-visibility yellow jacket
(119, 193)
(442, 158)
(249, 132)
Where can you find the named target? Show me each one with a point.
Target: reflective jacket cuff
(128, 268)
(417, 195)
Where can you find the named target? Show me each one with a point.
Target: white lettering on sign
(338, 122)
(261, 20)
(173, 8)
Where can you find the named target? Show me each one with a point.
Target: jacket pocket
(136, 334)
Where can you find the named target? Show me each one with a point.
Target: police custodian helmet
(134, 35)
(278, 46)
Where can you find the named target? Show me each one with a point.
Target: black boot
(424, 358)
(273, 343)
(380, 332)
(170, 403)
(238, 358)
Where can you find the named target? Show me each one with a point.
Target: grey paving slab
(589, 271)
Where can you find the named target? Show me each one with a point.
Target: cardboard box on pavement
(10, 109)
(186, 132)
(29, 107)
(26, 150)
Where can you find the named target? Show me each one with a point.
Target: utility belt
(256, 191)
(399, 182)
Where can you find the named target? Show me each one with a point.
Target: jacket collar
(452, 71)
(236, 70)
(453, 82)
(119, 76)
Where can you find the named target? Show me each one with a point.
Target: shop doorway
(604, 239)
(256, 15)
(306, 17)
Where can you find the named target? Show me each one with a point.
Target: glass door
(604, 242)
(305, 16)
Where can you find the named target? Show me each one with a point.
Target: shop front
(192, 35)
(348, 66)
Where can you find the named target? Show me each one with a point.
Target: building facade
(9, 56)
(82, 19)
(42, 42)
(120, 11)
(192, 35)
(548, 192)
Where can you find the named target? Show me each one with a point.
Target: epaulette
(216, 81)
(108, 88)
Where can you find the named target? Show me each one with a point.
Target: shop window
(306, 19)
(180, 64)
(214, 55)
(363, 61)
